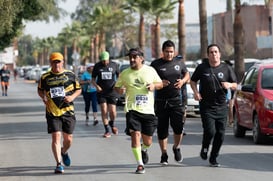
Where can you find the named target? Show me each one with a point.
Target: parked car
(192, 104)
(253, 103)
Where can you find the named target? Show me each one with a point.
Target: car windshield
(267, 75)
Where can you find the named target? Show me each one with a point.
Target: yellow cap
(56, 56)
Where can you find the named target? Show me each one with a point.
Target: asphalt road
(25, 152)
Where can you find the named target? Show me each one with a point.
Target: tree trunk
(102, 46)
(65, 56)
(238, 43)
(181, 30)
(96, 48)
(141, 33)
(203, 28)
(157, 38)
(91, 50)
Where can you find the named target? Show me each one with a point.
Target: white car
(192, 104)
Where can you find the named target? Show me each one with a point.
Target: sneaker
(145, 156)
(66, 159)
(107, 135)
(213, 162)
(177, 155)
(204, 153)
(140, 169)
(114, 130)
(95, 122)
(59, 169)
(164, 159)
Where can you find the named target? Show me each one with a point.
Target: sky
(43, 29)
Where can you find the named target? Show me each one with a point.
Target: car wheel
(258, 137)
(238, 130)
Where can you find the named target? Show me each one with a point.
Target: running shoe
(164, 159)
(95, 122)
(107, 135)
(213, 162)
(140, 169)
(145, 156)
(177, 155)
(114, 130)
(66, 159)
(59, 169)
(204, 153)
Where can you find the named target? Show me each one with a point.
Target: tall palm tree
(65, 38)
(140, 6)
(238, 36)
(203, 28)
(158, 9)
(181, 30)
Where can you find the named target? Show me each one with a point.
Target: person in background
(139, 82)
(15, 73)
(215, 79)
(58, 89)
(104, 78)
(89, 93)
(169, 107)
(5, 75)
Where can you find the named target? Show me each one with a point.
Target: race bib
(57, 92)
(141, 100)
(106, 75)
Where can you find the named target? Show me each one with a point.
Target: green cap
(104, 56)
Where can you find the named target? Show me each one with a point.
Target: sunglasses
(56, 61)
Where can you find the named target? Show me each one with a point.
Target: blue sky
(43, 30)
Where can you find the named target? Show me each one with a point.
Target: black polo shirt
(171, 71)
(210, 87)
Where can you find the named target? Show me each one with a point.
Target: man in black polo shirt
(215, 79)
(168, 103)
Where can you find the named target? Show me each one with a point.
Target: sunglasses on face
(56, 61)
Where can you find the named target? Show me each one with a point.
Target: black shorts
(65, 124)
(109, 99)
(145, 123)
(169, 112)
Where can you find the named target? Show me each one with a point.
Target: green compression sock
(145, 147)
(137, 154)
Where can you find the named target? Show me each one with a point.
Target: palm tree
(238, 36)
(181, 30)
(159, 8)
(203, 28)
(140, 6)
(65, 38)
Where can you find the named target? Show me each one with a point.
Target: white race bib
(141, 100)
(57, 92)
(106, 75)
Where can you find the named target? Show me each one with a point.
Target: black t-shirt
(4, 74)
(106, 75)
(169, 70)
(210, 87)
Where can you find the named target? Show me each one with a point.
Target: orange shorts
(3, 84)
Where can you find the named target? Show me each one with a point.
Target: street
(25, 148)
